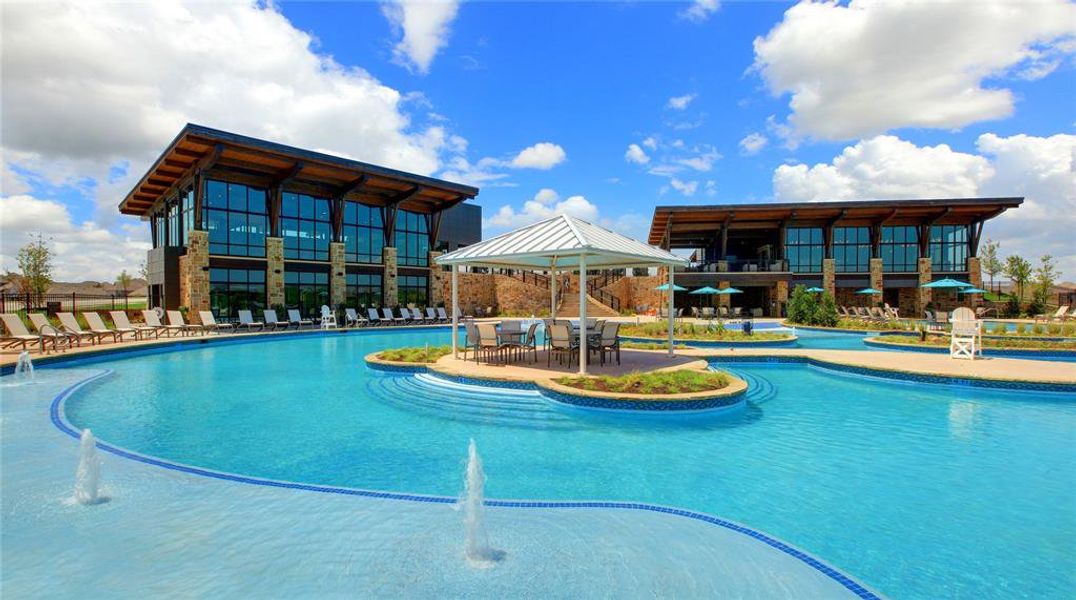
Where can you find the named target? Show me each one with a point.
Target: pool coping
(792, 339)
(880, 342)
(59, 420)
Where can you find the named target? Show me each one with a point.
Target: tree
(1018, 270)
(35, 263)
(124, 281)
(1046, 275)
(142, 271)
(988, 259)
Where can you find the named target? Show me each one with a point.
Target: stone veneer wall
(975, 277)
(514, 296)
(390, 290)
(781, 296)
(274, 271)
(876, 280)
(906, 300)
(925, 268)
(475, 289)
(337, 277)
(438, 277)
(829, 276)
(194, 274)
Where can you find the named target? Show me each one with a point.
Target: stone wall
(337, 278)
(438, 277)
(829, 276)
(390, 290)
(274, 271)
(906, 300)
(975, 277)
(925, 268)
(638, 291)
(194, 274)
(505, 294)
(475, 290)
(876, 280)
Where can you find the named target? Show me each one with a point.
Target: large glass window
(306, 291)
(305, 226)
(363, 233)
(852, 249)
(175, 223)
(188, 216)
(236, 219)
(232, 290)
(363, 289)
(900, 249)
(158, 230)
(412, 240)
(412, 290)
(804, 249)
(949, 247)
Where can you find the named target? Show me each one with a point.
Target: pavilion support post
(552, 293)
(583, 315)
(455, 313)
(672, 302)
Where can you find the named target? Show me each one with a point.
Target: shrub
(1021, 328)
(1068, 329)
(1012, 307)
(1054, 328)
(806, 308)
(1038, 329)
(999, 329)
(1036, 307)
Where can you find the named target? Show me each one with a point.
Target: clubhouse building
(893, 246)
(239, 222)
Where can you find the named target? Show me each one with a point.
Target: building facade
(242, 223)
(892, 246)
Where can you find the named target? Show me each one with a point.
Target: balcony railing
(744, 265)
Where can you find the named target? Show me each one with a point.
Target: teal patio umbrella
(971, 290)
(815, 290)
(665, 287)
(868, 291)
(705, 290)
(729, 290)
(946, 283)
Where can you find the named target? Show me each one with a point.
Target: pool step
(445, 398)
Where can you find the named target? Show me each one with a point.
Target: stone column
(194, 275)
(390, 287)
(437, 280)
(274, 272)
(780, 296)
(337, 277)
(975, 277)
(722, 266)
(829, 276)
(724, 299)
(877, 281)
(925, 274)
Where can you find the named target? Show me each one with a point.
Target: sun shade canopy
(946, 283)
(559, 243)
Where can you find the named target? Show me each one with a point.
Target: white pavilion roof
(560, 242)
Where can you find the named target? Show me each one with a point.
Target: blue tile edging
(648, 406)
(901, 375)
(715, 343)
(1029, 353)
(56, 414)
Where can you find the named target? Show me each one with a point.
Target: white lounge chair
(328, 318)
(1058, 315)
(51, 332)
(389, 318)
(98, 326)
(151, 319)
(246, 319)
(209, 322)
(119, 318)
(272, 321)
(373, 317)
(405, 314)
(431, 315)
(351, 318)
(69, 324)
(175, 319)
(297, 319)
(442, 316)
(18, 334)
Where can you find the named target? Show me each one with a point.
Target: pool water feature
(916, 489)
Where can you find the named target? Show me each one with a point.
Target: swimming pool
(917, 490)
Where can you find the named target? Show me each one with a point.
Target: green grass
(691, 331)
(416, 355)
(942, 341)
(661, 383)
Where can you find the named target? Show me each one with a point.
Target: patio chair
(209, 322)
(18, 334)
(877, 314)
(122, 323)
(328, 318)
(153, 320)
(470, 339)
(889, 310)
(561, 344)
(69, 324)
(609, 342)
(487, 340)
(1058, 315)
(737, 312)
(97, 325)
(50, 332)
(352, 318)
(372, 317)
(981, 312)
(389, 318)
(431, 315)
(246, 319)
(297, 319)
(442, 316)
(175, 319)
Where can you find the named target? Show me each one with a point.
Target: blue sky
(624, 105)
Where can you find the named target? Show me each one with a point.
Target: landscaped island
(703, 333)
(1000, 343)
(419, 355)
(657, 383)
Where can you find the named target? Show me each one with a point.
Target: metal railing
(596, 282)
(11, 303)
(525, 276)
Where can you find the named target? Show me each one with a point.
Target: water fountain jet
(88, 476)
(24, 368)
(478, 551)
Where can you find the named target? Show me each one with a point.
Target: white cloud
(424, 25)
(482, 173)
(83, 251)
(680, 102)
(753, 143)
(543, 155)
(867, 67)
(140, 71)
(636, 155)
(700, 10)
(547, 203)
(687, 188)
(1043, 169)
(651, 142)
(700, 162)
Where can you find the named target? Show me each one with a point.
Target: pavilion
(561, 243)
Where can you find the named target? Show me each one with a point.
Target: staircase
(569, 305)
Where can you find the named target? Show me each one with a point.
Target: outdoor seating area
(509, 341)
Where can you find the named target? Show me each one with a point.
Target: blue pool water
(918, 490)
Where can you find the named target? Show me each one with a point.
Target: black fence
(52, 303)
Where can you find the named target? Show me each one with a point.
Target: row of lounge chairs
(1061, 314)
(872, 313)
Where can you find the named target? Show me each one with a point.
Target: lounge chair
(119, 318)
(352, 318)
(406, 314)
(151, 318)
(175, 319)
(889, 310)
(273, 321)
(98, 326)
(69, 324)
(209, 322)
(431, 315)
(981, 312)
(389, 318)
(442, 316)
(878, 315)
(18, 334)
(246, 319)
(328, 318)
(373, 317)
(297, 319)
(51, 332)
(1058, 315)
